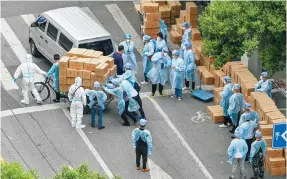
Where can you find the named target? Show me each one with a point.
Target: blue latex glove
(251, 160)
(14, 80)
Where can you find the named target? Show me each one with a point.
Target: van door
(50, 41)
(65, 43)
(38, 34)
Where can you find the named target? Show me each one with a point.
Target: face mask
(128, 40)
(261, 78)
(184, 48)
(158, 39)
(224, 82)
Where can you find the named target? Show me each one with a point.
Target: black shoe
(231, 131)
(92, 126)
(261, 176)
(230, 177)
(126, 124)
(232, 137)
(56, 100)
(253, 178)
(101, 127)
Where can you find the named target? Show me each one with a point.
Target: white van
(57, 31)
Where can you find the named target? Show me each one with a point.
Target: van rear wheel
(34, 50)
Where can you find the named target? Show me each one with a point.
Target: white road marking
(28, 18)
(201, 116)
(6, 78)
(32, 109)
(15, 44)
(125, 25)
(156, 172)
(90, 146)
(179, 136)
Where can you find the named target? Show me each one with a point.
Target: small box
(262, 123)
(76, 52)
(207, 78)
(86, 83)
(150, 7)
(281, 171)
(70, 81)
(284, 153)
(89, 54)
(86, 74)
(64, 88)
(195, 34)
(91, 65)
(76, 64)
(102, 69)
(113, 70)
(79, 73)
(63, 72)
(278, 121)
(276, 162)
(191, 8)
(151, 24)
(199, 45)
(270, 116)
(64, 62)
(274, 152)
(103, 79)
(71, 72)
(153, 16)
(266, 130)
(109, 61)
(182, 16)
(62, 80)
(268, 140)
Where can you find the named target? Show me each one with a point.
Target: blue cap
(42, 20)
(175, 52)
(110, 86)
(116, 81)
(258, 134)
(186, 24)
(237, 134)
(146, 37)
(143, 122)
(264, 74)
(165, 49)
(97, 84)
(187, 44)
(247, 106)
(236, 86)
(248, 117)
(110, 78)
(128, 36)
(227, 79)
(128, 65)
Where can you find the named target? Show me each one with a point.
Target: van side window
(65, 43)
(52, 32)
(42, 23)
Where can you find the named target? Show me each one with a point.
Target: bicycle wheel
(43, 90)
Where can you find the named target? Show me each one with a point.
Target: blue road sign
(279, 136)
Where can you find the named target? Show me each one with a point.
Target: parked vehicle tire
(34, 51)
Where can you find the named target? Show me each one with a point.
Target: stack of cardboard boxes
(216, 113)
(90, 65)
(165, 12)
(175, 7)
(217, 95)
(152, 18)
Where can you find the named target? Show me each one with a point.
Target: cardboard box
(62, 72)
(268, 140)
(86, 83)
(159, 2)
(199, 45)
(262, 123)
(266, 130)
(86, 74)
(274, 152)
(179, 29)
(151, 24)
(64, 88)
(92, 54)
(76, 64)
(178, 21)
(201, 69)
(281, 171)
(217, 75)
(191, 18)
(137, 7)
(108, 60)
(153, 16)
(175, 37)
(103, 78)
(216, 95)
(278, 121)
(164, 11)
(191, 8)
(247, 88)
(76, 52)
(276, 162)
(234, 74)
(91, 65)
(102, 69)
(216, 113)
(70, 81)
(150, 7)
(195, 34)
(113, 70)
(64, 62)
(93, 76)
(71, 73)
(193, 23)
(284, 153)
(270, 116)
(62, 80)
(221, 81)
(182, 15)
(207, 78)
(79, 73)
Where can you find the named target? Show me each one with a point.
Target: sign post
(279, 138)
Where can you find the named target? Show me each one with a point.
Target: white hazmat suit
(28, 70)
(78, 98)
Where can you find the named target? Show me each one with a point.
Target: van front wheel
(34, 50)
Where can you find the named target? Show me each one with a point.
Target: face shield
(78, 81)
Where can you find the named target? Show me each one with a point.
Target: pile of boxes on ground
(260, 102)
(90, 65)
(156, 10)
(189, 15)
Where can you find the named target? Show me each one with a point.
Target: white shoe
(179, 98)
(80, 126)
(24, 102)
(173, 96)
(144, 83)
(39, 102)
(229, 124)
(223, 126)
(184, 88)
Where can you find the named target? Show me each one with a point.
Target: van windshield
(105, 46)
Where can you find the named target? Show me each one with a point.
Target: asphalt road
(45, 140)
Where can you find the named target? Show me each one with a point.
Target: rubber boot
(160, 89)
(193, 86)
(153, 89)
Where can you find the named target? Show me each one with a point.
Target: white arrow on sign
(156, 172)
(284, 135)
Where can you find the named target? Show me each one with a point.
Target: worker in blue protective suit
(264, 85)
(186, 37)
(190, 66)
(126, 105)
(160, 43)
(247, 130)
(28, 70)
(237, 152)
(163, 30)
(129, 74)
(128, 55)
(224, 103)
(236, 105)
(97, 100)
(257, 155)
(142, 142)
(54, 70)
(78, 99)
(159, 72)
(247, 110)
(148, 51)
(177, 74)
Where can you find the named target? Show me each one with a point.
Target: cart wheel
(43, 90)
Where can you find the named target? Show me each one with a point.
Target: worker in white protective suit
(28, 69)
(78, 98)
